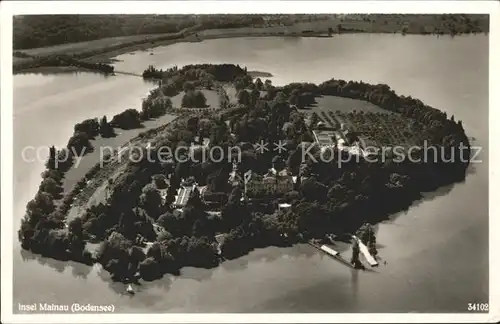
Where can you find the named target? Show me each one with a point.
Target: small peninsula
(294, 163)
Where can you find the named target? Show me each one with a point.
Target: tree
(160, 181)
(155, 251)
(51, 161)
(267, 84)
(217, 181)
(149, 269)
(164, 236)
(313, 190)
(105, 128)
(89, 127)
(194, 99)
(42, 202)
(151, 201)
(258, 84)
(51, 187)
(188, 86)
(79, 144)
(254, 97)
(244, 97)
(64, 160)
(128, 119)
(195, 199)
(235, 196)
(165, 220)
(75, 226)
(136, 254)
(52, 174)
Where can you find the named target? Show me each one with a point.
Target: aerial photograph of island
(250, 163)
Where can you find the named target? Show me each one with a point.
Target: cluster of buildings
(255, 186)
(271, 184)
(343, 139)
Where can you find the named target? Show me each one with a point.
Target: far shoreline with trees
(99, 38)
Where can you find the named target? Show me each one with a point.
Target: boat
(130, 290)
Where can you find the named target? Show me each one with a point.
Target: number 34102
(477, 307)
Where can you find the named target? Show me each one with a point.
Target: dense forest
(45, 30)
(437, 24)
(335, 196)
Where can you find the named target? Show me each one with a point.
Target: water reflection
(354, 284)
(116, 286)
(61, 71)
(57, 265)
(79, 270)
(198, 274)
(164, 283)
(235, 265)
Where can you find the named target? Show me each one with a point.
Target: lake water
(436, 253)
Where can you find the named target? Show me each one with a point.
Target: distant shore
(105, 49)
(107, 52)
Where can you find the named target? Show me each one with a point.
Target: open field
(385, 129)
(211, 95)
(83, 47)
(78, 171)
(231, 93)
(376, 129)
(375, 126)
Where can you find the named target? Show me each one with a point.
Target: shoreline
(108, 54)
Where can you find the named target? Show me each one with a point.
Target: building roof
(325, 137)
(182, 196)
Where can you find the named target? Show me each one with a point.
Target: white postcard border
(8, 9)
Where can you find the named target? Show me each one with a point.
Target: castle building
(271, 184)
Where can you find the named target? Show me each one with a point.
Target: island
(243, 164)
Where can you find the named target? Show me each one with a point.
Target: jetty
(364, 249)
(332, 253)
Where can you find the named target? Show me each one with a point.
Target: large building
(271, 184)
(182, 196)
(185, 191)
(325, 137)
(339, 139)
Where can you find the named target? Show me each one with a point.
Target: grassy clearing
(212, 98)
(377, 126)
(387, 129)
(101, 147)
(231, 93)
(345, 105)
(83, 47)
